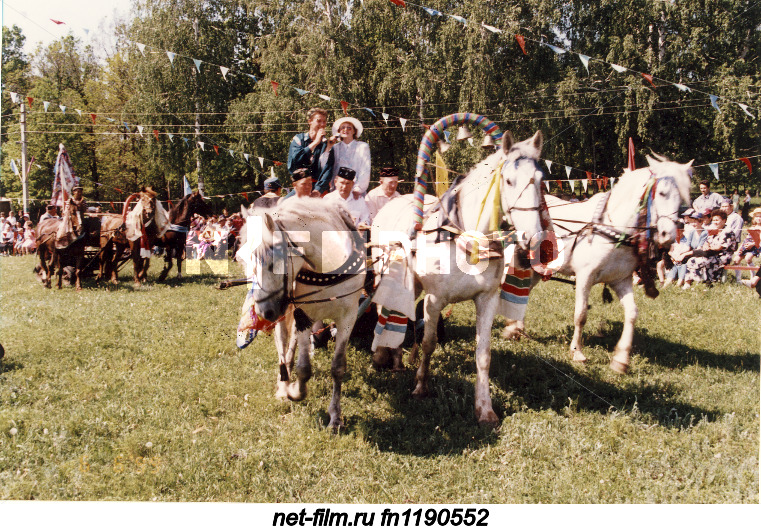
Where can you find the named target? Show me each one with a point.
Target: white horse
(309, 265)
(592, 252)
(509, 180)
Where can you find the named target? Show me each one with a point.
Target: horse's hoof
(335, 426)
(579, 357)
(382, 358)
(489, 419)
(282, 391)
(419, 393)
(511, 334)
(294, 394)
(619, 367)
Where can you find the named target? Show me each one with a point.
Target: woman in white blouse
(352, 153)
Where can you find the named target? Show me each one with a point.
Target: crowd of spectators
(213, 238)
(17, 234)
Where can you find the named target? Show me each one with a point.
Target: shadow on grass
(9, 365)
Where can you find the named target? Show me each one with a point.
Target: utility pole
(24, 186)
(201, 186)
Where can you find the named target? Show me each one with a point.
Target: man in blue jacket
(314, 150)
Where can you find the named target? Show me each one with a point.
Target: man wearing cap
(50, 212)
(707, 199)
(314, 150)
(302, 185)
(71, 227)
(271, 193)
(352, 154)
(384, 193)
(343, 194)
(734, 220)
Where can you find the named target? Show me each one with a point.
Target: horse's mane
(633, 182)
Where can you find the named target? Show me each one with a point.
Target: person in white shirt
(384, 193)
(50, 212)
(734, 220)
(707, 199)
(352, 154)
(343, 194)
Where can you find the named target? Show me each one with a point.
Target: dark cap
(51, 206)
(302, 173)
(346, 173)
(389, 172)
(77, 187)
(272, 183)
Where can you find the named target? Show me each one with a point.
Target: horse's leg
(486, 307)
(344, 324)
(298, 391)
(167, 264)
(144, 271)
(137, 264)
(282, 337)
(513, 330)
(433, 307)
(179, 249)
(583, 285)
(58, 262)
(77, 271)
(620, 361)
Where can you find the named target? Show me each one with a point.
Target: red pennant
(400, 3)
(747, 162)
(277, 163)
(345, 106)
(605, 182)
(245, 195)
(631, 154)
(113, 207)
(118, 189)
(428, 127)
(216, 149)
(93, 116)
(156, 133)
(31, 100)
(649, 78)
(58, 22)
(274, 86)
(521, 43)
(598, 181)
(589, 175)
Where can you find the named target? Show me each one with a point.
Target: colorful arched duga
(429, 144)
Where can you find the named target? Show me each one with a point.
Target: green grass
(126, 394)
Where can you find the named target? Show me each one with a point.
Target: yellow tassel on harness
(496, 217)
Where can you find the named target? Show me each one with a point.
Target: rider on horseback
(71, 227)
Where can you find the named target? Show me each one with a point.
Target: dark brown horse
(144, 226)
(174, 239)
(52, 258)
(113, 244)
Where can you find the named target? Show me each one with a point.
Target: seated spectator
(221, 234)
(7, 237)
(707, 263)
(734, 220)
(750, 247)
(29, 244)
(205, 241)
(384, 193)
(343, 195)
(693, 238)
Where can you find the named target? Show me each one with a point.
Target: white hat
(355, 123)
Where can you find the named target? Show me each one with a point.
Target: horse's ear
(507, 142)
(650, 160)
(243, 211)
(538, 140)
(688, 165)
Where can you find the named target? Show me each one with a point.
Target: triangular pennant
(111, 119)
(277, 163)
(198, 62)
(14, 167)
(14, 97)
(126, 125)
(140, 129)
(186, 141)
(572, 183)
(141, 47)
(272, 171)
(57, 21)
(403, 122)
(46, 104)
(385, 117)
(491, 28)
(232, 153)
(77, 110)
(224, 72)
(715, 169)
(470, 140)
(31, 100)
(557, 50)
(714, 103)
(63, 108)
(747, 162)
(373, 113)
(171, 56)
(432, 12)
(547, 184)
(261, 162)
(619, 69)
(612, 182)
(549, 165)
(324, 97)
(301, 92)
(585, 184)
(202, 144)
(744, 107)
(253, 77)
(459, 19)
(585, 61)
(246, 156)
(216, 150)
(521, 43)
(275, 84)
(649, 78)
(682, 87)
(605, 182)
(93, 116)
(170, 136)
(446, 135)
(345, 107)
(87, 31)
(156, 134)
(567, 171)
(245, 195)
(598, 182)
(400, 3)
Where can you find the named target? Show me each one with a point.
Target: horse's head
(197, 205)
(521, 193)
(670, 188)
(148, 203)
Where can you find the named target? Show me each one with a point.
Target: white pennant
(585, 61)
(491, 28)
(63, 108)
(572, 184)
(619, 69)
(201, 144)
(224, 72)
(261, 161)
(231, 152)
(612, 182)
(567, 171)
(557, 50)
(171, 56)
(682, 87)
(549, 165)
(745, 109)
(584, 183)
(141, 47)
(325, 97)
(547, 184)
(385, 117)
(77, 110)
(140, 129)
(46, 105)
(459, 19)
(715, 169)
(714, 99)
(14, 97)
(272, 171)
(197, 62)
(403, 122)
(171, 137)
(470, 140)
(246, 156)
